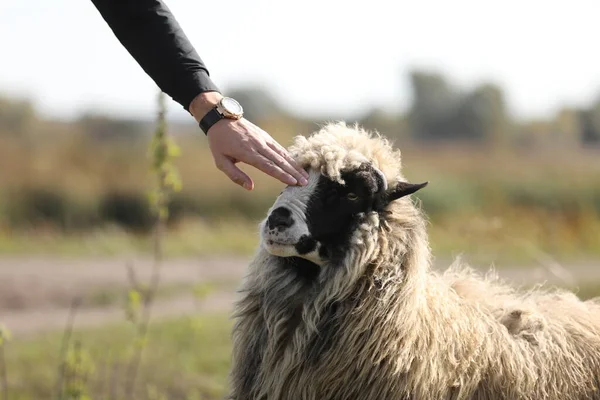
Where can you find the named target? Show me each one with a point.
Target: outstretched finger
(269, 167)
(238, 176)
(287, 157)
(282, 163)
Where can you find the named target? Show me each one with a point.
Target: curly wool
(337, 147)
(385, 326)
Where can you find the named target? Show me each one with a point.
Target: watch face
(231, 106)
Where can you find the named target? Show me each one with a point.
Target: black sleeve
(152, 35)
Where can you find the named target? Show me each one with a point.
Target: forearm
(151, 34)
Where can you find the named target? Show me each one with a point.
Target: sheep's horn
(404, 189)
(383, 179)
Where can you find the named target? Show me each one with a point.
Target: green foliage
(78, 368)
(133, 305)
(5, 335)
(163, 151)
(138, 308)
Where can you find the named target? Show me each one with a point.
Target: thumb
(228, 167)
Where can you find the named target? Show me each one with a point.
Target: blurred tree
(106, 128)
(442, 113)
(434, 106)
(390, 125)
(259, 105)
(567, 128)
(590, 121)
(482, 116)
(17, 117)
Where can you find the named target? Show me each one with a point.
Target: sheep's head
(346, 189)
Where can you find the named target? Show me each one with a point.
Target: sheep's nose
(280, 218)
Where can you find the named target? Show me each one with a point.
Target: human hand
(233, 141)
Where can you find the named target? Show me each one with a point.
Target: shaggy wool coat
(382, 325)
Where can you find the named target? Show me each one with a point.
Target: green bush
(39, 207)
(128, 210)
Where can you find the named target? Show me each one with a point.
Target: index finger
(269, 167)
(287, 157)
(283, 163)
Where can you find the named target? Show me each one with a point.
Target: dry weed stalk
(163, 151)
(64, 349)
(4, 336)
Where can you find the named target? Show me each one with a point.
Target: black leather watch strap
(211, 118)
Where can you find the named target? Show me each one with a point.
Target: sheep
(340, 301)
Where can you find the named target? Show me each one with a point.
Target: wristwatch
(225, 108)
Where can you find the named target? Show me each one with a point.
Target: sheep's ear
(404, 189)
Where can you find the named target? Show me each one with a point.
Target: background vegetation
(501, 191)
(495, 181)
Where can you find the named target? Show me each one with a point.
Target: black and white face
(316, 222)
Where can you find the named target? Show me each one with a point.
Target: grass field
(484, 238)
(185, 359)
(193, 238)
(74, 213)
(81, 197)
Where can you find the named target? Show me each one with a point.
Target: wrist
(203, 103)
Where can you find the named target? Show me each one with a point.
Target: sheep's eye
(352, 196)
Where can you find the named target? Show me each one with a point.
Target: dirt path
(23, 324)
(35, 293)
(34, 282)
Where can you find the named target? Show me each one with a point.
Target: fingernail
(303, 182)
(247, 186)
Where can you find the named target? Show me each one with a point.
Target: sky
(326, 57)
